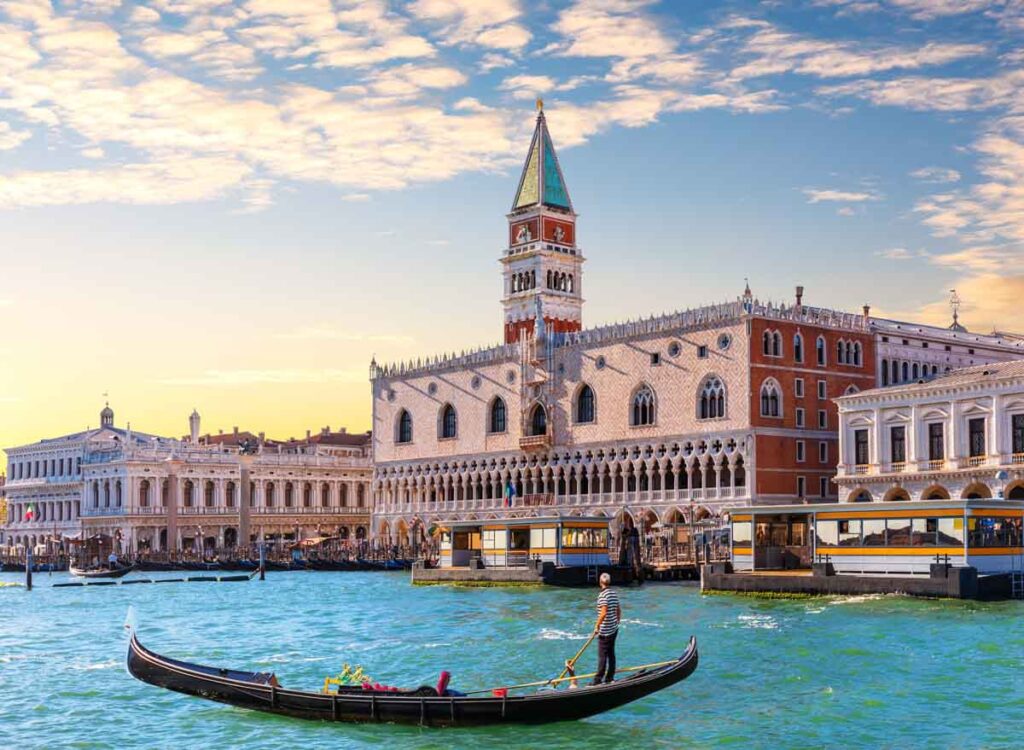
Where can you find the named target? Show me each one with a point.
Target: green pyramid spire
(542, 182)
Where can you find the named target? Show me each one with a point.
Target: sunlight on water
(858, 672)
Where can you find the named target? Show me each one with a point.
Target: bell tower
(542, 265)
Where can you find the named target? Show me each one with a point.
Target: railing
(534, 442)
(1017, 458)
(976, 461)
(897, 467)
(861, 468)
(935, 464)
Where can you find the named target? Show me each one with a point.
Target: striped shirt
(610, 625)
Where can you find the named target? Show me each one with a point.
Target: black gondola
(118, 572)
(259, 691)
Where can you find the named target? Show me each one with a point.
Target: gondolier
(609, 612)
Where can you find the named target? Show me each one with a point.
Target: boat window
(925, 530)
(897, 532)
(994, 531)
(873, 531)
(584, 537)
(951, 531)
(741, 532)
(494, 539)
(543, 538)
(849, 533)
(828, 533)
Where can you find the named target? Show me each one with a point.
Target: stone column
(244, 497)
(173, 536)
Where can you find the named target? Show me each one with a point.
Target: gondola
(260, 691)
(118, 572)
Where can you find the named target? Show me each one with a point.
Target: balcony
(535, 442)
(1017, 458)
(935, 464)
(973, 461)
(861, 468)
(896, 467)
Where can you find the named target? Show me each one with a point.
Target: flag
(510, 492)
(30, 512)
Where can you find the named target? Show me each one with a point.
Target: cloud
(936, 175)
(815, 195)
(235, 378)
(611, 28)
(490, 23)
(356, 197)
(935, 94)
(11, 138)
(925, 10)
(900, 253)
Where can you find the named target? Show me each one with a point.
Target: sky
(233, 206)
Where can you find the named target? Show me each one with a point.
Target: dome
(107, 417)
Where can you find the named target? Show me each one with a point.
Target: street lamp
(1001, 476)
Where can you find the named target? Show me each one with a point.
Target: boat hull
(253, 691)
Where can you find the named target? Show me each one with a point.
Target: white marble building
(959, 435)
(161, 494)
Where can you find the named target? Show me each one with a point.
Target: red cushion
(442, 682)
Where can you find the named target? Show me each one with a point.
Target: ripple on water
(862, 672)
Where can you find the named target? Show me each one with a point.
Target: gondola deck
(257, 691)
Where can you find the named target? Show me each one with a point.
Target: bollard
(263, 562)
(28, 569)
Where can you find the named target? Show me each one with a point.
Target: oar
(545, 683)
(572, 662)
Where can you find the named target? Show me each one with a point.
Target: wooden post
(28, 568)
(263, 561)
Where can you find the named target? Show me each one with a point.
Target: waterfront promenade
(861, 672)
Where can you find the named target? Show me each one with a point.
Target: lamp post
(1001, 476)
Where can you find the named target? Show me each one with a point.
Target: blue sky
(233, 205)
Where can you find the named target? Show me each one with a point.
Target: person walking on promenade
(607, 628)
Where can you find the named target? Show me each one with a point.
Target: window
(822, 419)
(936, 442)
(798, 387)
(449, 422)
(585, 405)
(766, 343)
(712, 399)
(976, 436)
(801, 420)
(771, 399)
(898, 444)
(841, 352)
(798, 348)
(702, 352)
(820, 348)
(404, 427)
(885, 372)
(1017, 429)
(538, 421)
(856, 353)
(823, 486)
(801, 451)
(801, 486)
(860, 448)
(498, 416)
(655, 358)
(822, 390)
(643, 407)
(822, 452)
(776, 344)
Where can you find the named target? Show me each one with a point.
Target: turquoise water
(863, 672)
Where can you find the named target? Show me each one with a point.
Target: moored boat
(261, 691)
(118, 572)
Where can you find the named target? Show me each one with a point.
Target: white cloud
(486, 23)
(816, 195)
(356, 197)
(11, 138)
(936, 175)
(939, 94)
(901, 253)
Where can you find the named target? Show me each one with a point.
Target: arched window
(856, 353)
(849, 353)
(771, 399)
(404, 427)
(851, 389)
(549, 278)
(820, 347)
(776, 344)
(498, 421)
(643, 406)
(798, 348)
(144, 493)
(766, 343)
(585, 405)
(572, 284)
(449, 422)
(712, 398)
(906, 372)
(885, 372)
(208, 490)
(840, 351)
(895, 372)
(538, 421)
(916, 371)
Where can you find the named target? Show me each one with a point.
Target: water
(879, 672)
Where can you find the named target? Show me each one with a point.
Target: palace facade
(165, 494)
(957, 436)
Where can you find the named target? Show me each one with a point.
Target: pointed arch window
(449, 422)
(798, 348)
(585, 411)
(712, 398)
(766, 343)
(538, 421)
(856, 353)
(771, 399)
(820, 348)
(839, 352)
(498, 416)
(404, 432)
(643, 407)
(776, 344)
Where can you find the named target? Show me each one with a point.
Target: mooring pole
(28, 569)
(263, 562)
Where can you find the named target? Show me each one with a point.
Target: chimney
(309, 434)
(799, 296)
(867, 312)
(344, 430)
